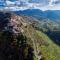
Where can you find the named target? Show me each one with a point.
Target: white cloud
(9, 2)
(25, 4)
(52, 2)
(54, 7)
(16, 8)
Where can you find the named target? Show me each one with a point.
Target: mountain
(31, 12)
(47, 20)
(53, 14)
(49, 14)
(20, 40)
(17, 38)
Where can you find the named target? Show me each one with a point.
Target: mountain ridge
(16, 34)
(21, 39)
(45, 14)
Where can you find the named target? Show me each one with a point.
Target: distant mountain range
(49, 14)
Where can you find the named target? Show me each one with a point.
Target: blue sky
(30, 4)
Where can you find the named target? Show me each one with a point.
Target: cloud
(54, 7)
(8, 3)
(52, 2)
(32, 4)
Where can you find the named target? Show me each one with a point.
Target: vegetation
(50, 51)
(14, 48)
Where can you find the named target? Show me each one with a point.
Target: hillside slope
(19, 40)
(17, 37)
(50, 51)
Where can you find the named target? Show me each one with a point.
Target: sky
(29, 4)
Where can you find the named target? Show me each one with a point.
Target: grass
(50, 52)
